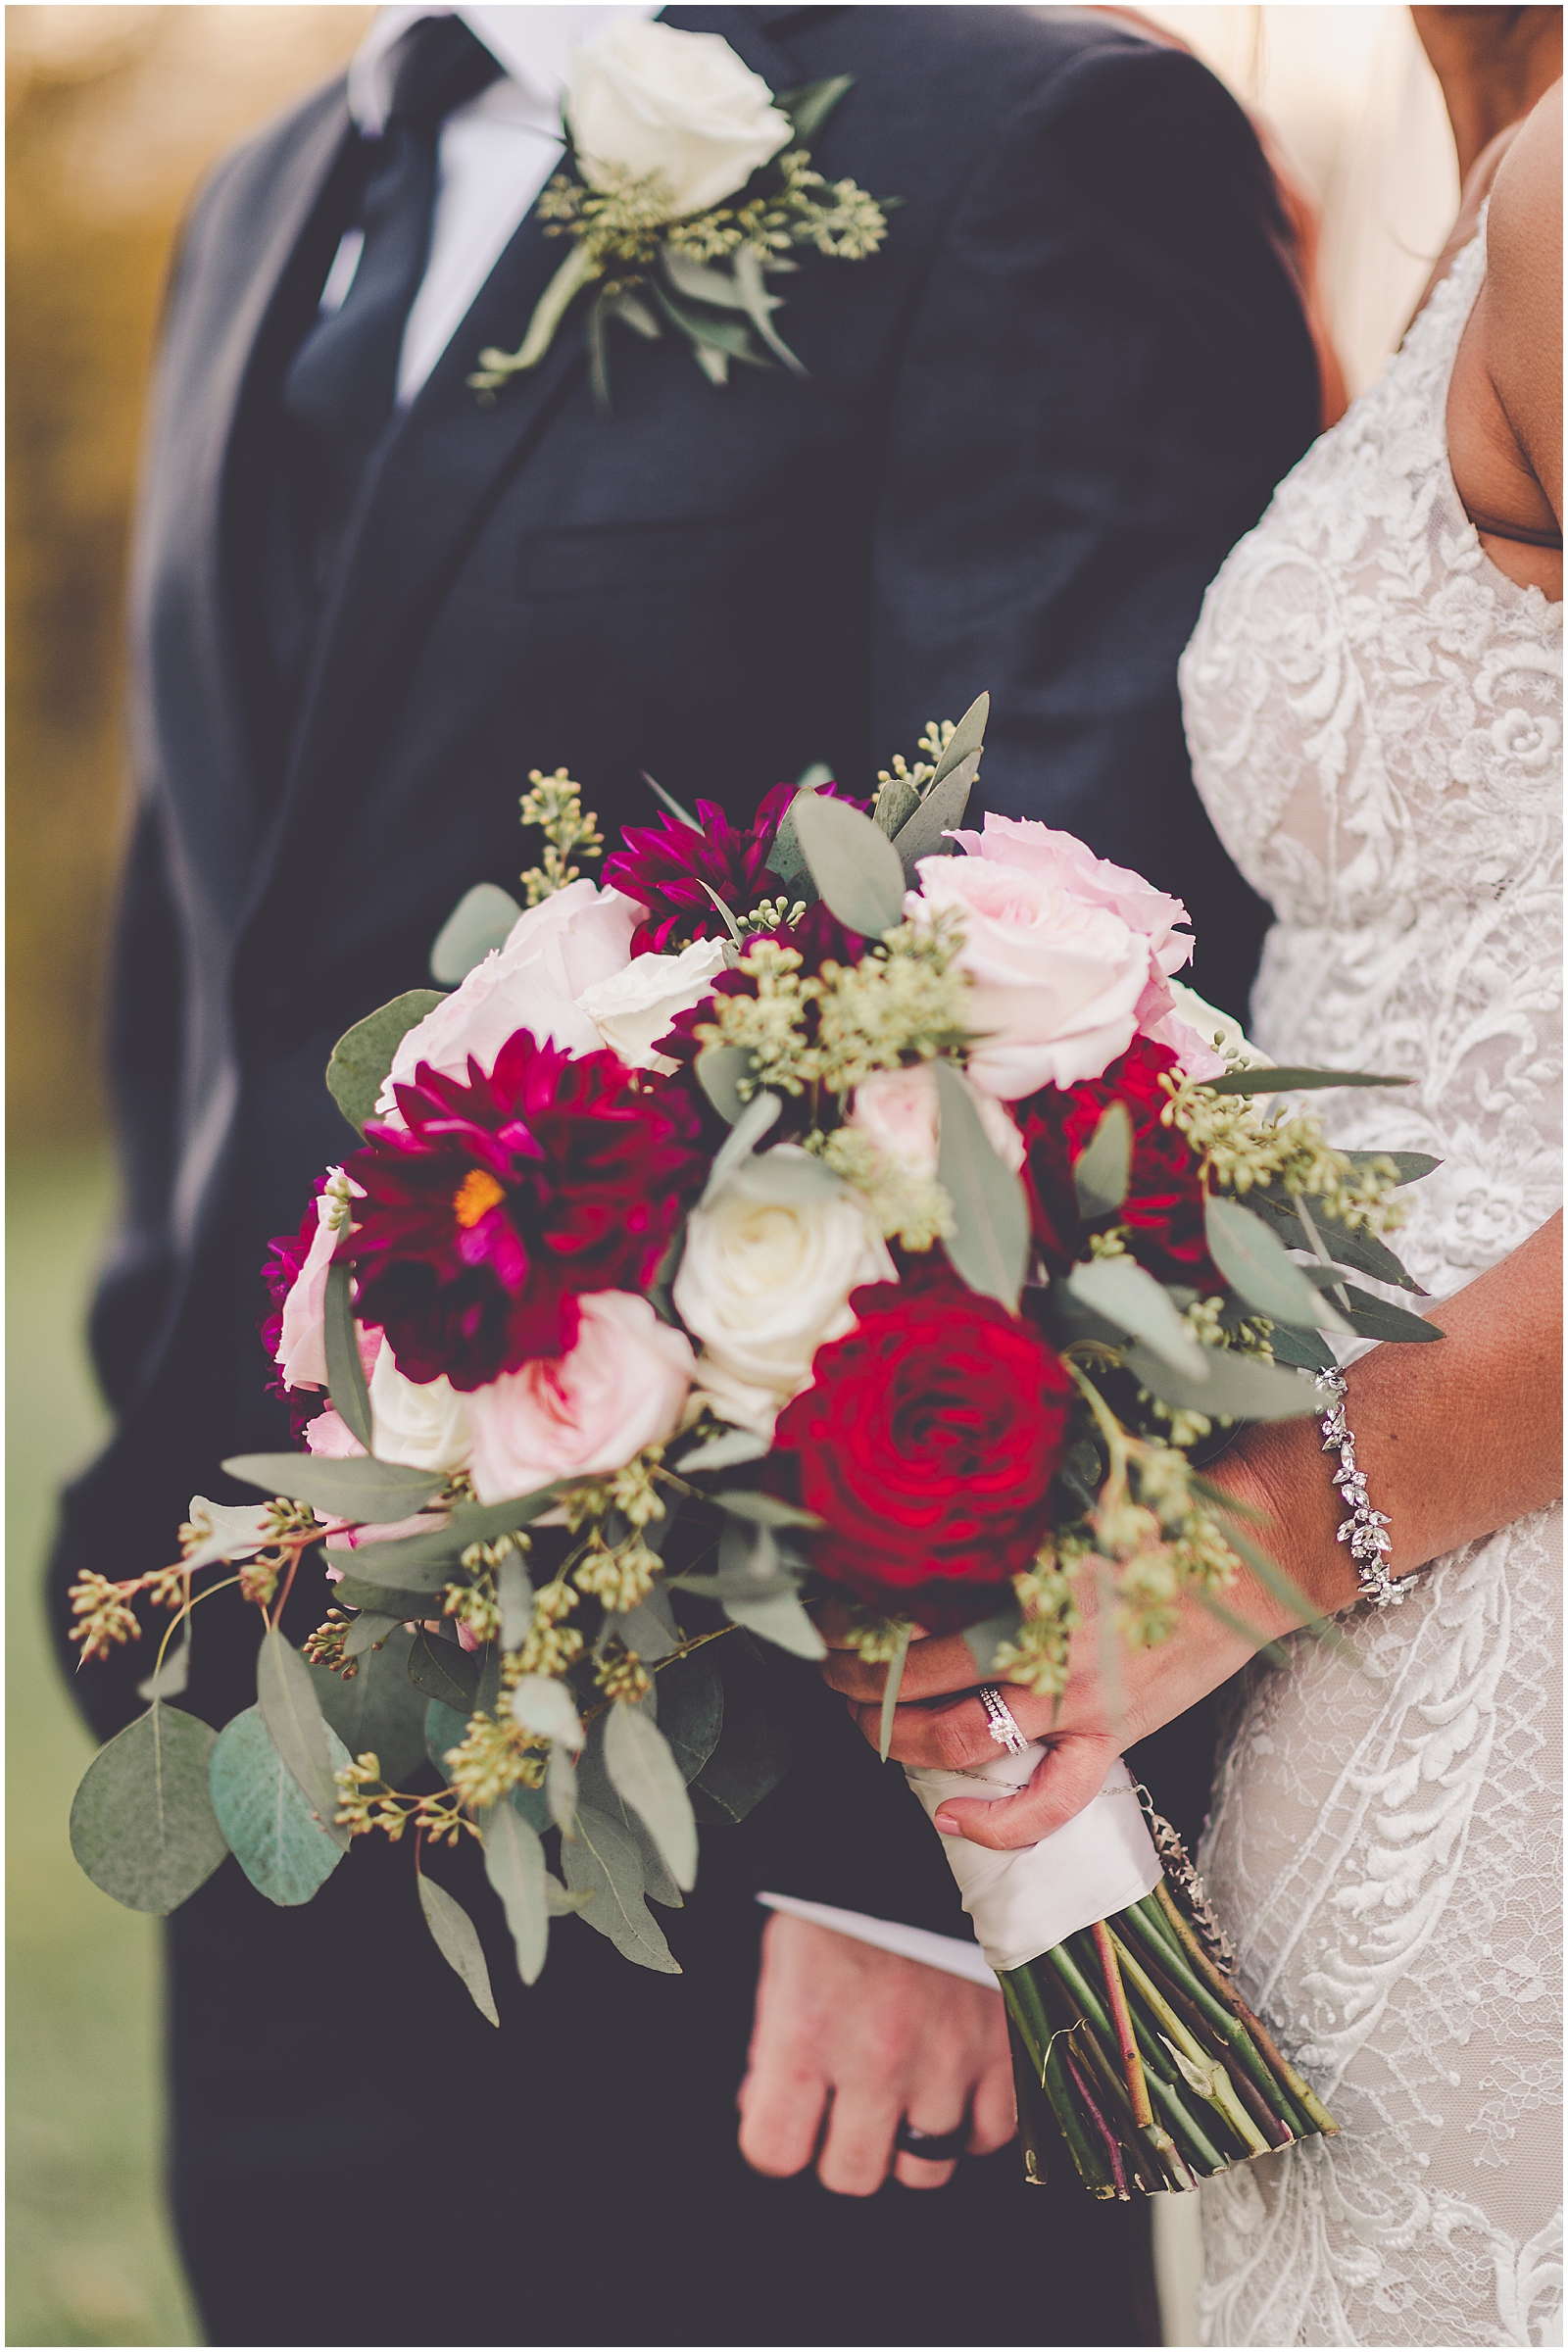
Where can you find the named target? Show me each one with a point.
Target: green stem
(1224, 2021)
(1223, 2092)
(1302, 2091)
(497, 368)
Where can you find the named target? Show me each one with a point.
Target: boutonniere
(689, 183)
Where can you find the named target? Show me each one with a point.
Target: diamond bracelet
(1365, 1529)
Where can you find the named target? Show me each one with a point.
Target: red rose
(1164, 1211)
(928, 1442)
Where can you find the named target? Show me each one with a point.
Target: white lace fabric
(1375, 718)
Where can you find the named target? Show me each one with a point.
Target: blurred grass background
(112, 116)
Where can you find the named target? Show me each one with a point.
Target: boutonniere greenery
(688, 183)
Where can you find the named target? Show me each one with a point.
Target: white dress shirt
(494, 157)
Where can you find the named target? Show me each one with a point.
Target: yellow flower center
(475, 1196)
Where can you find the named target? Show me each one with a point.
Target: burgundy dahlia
(667, 865)
(504, 1198)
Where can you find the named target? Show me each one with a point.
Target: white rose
(632, 1009)
(622, 1386)
(1056, 982)
(765, 1281)
(422, 1424)
(898, 1110)
(647, 98)
(577, 935)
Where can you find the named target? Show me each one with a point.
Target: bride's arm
(1457, 1438)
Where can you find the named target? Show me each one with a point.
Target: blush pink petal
(622, 1387)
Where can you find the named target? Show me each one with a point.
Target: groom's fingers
(858, 2149)
(1068, 1776)
(993, 2118)
(781, 2117)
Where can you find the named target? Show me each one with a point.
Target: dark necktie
(341, 386)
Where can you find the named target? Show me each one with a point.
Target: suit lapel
(429, 494)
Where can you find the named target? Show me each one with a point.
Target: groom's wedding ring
(999, 1721)
(932, 2147)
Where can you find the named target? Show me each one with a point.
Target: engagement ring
(999, 1721)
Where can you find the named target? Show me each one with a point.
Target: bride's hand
(939, 1721)
(1457, 1439)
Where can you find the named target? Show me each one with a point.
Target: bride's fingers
(953, 1737)
(932, 1668)
(1068, 1776)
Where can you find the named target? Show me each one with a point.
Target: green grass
(90, 2254)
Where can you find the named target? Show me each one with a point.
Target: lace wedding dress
(1374, 713)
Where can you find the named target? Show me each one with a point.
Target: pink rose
(898, 1110)
(330, 1436)
(622, 1387)
(1055, 980)
(1071, 865)
(557, 949)
(302, 1340)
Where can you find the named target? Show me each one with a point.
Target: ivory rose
(622, 1386)
(1190, 1029)
(1056, 982)
(556, 950)
(898, 1110)
(647, 98)
(419, 1424)
(635, 1007)
(765, 1280)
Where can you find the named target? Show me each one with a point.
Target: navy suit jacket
(1033, 424)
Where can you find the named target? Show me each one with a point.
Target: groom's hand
(847, 2043)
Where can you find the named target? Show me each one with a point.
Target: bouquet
(846, 1203)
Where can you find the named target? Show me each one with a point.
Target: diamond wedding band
(999, 1721)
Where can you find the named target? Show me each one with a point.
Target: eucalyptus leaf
(444, 1729)
(1307, 1349)
(780, 1619)
(1268, 1079)
(597, 1791)
(365, 1053)
(377, 1709)
(633, 311)
(142, 1823)
(700, 282)
(360, 1490)
(1253, 1261)
(456, 1939)
(423, 1563)
(967, 739)
(542, 1703)
(990, 1246)
(720, 1070)
(748, 1128)
(515, 1593)
(560, 1790)
(983, 1641)
(367, 1629)
(809, 106)
(1348, 1246)
(724, 1452)
(856, 869)
(481, 920)
(682, 817)
(345, 1374)
(649, 1628)
(1272, 1577)
(380, 1602)
(1125, 1295)
(756, 1743)
(759, 305)
(514, 1865)
(786, 859)
(766, 1510)
(272, 1831)
(285, 1692)
(601, 1861)
(691, 1710)
(710, 331)
(444, 1670)
(1237, 1388)
(561, 1902)
(895, 801)
(1375, 1320)
(1103, 1169)
(1410, 1166)
(942, 807)
(638, 1760)
(170, 1678)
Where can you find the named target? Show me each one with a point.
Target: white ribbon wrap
(1031, 1897)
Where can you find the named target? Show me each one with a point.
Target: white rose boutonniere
(663, 127)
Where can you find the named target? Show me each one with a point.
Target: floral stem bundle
(846, 1203)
